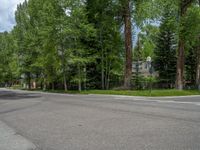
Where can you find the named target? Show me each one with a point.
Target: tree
(126, 5)
(23, 36)
(80, 31)
(138, 12)
(165, 51)
(191, 32)
(107, 45)
(138, 59)
(148, 34)
(190, 66)
(184, 5)
(198, 58)
(71, 43)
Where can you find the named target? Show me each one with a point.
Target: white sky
(7, 14)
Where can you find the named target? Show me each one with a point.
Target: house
(143, 68)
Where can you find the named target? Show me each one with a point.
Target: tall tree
(165, 51)
(184, 5)
(198, 60)
(9, 70)
(126, 14)
(108, 46)
(191, 32)
(81, 31)
(138, 12)
(22, 33)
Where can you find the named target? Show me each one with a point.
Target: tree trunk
(106, 70)
(102, 62)
(29, 80)
(44, 85)
(63, 66)
(184, 4)
(198, 64)
(79, 80)
(108, 77)
(180, 66)
(64, 73)
(65, 82)
(85, 78)
(41, 85)
(53, 86)
(198, 74)
(128, 45)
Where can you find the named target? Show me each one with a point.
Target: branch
(187, 3)
(184, 5)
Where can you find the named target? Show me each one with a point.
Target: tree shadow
(10, 95)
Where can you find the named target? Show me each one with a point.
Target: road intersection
(101, 122)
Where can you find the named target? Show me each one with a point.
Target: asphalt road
(94, 122)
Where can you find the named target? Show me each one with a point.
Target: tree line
(88, 44)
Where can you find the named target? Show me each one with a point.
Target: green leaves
(165, 50)
(190, 26)
(76, 40)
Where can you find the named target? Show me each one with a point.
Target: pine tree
(165, 51)
(190, 66)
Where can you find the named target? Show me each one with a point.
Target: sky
(7, 14)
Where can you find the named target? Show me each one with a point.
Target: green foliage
(190, 26)
(165, 51)
(108, 45)
(75, 42)
(9, 70)
(148, 39)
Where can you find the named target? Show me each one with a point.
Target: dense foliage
(92, 44)
(165, 51)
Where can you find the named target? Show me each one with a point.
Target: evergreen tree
(71, 43)
(190, 66)
(165, 51)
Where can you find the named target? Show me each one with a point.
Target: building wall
(143, 68)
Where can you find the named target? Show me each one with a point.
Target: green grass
(154, 93)
(17, 87)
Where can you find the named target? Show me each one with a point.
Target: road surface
(94, 122)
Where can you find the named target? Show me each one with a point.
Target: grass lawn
(154, 93)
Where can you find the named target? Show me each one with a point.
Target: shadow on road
(9, 95)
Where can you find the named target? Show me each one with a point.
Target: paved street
(94, 122)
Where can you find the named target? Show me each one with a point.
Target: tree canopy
(92, 44)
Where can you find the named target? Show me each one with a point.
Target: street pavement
(98, 122)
